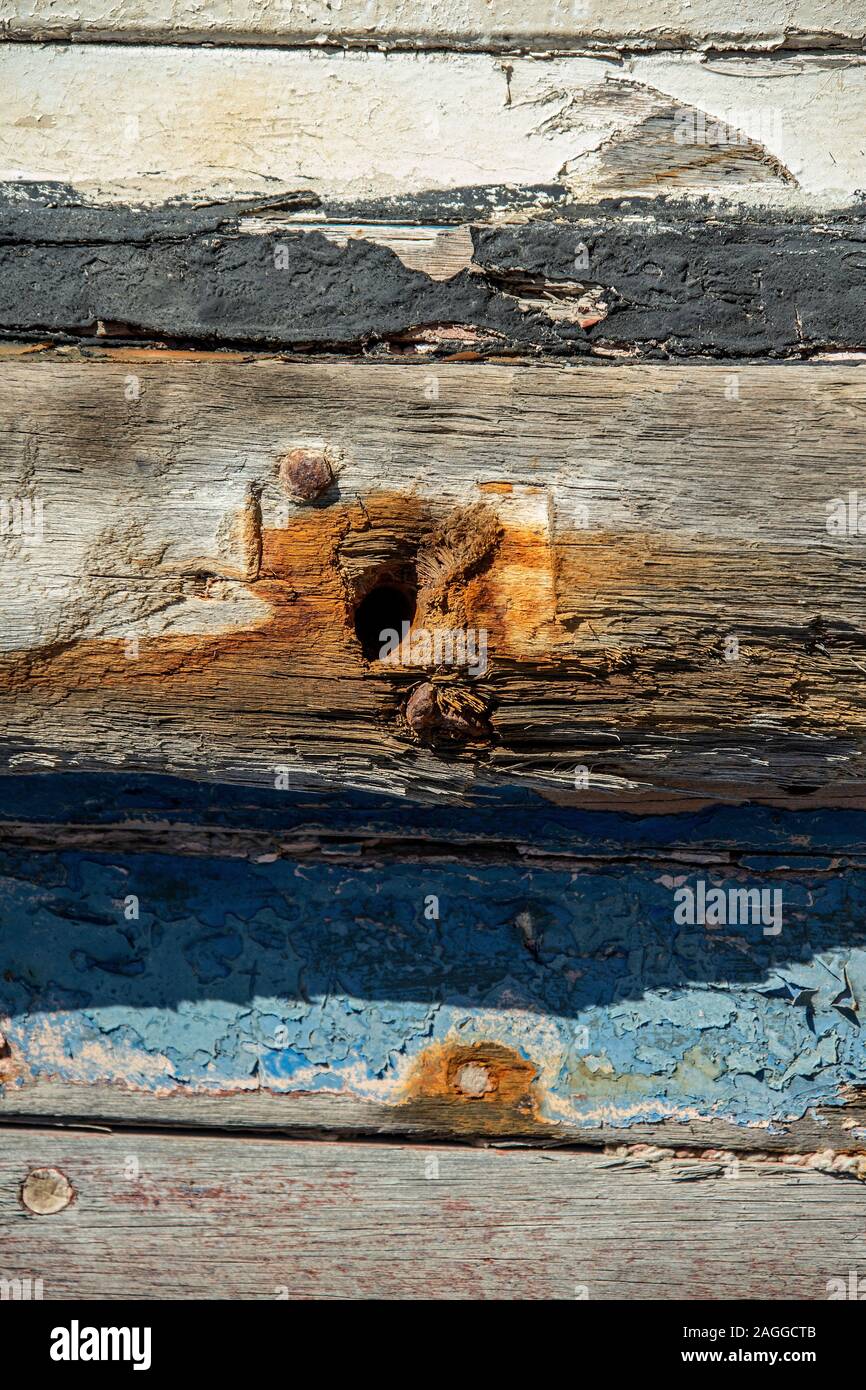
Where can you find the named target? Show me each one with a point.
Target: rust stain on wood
(12, 1064)
(310, 574)
(484, 1087)
(607, 614)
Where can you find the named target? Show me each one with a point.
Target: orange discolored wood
(650, 627)
(483, 1087)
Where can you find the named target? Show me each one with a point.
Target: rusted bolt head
(306, 473)
(422, 711)
(474, 1080)
(449, 714)
(45, 1191)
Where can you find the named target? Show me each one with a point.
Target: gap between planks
(698, 1160)
(452, 25)
(832, 1135)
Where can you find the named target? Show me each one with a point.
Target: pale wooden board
(160, 1217)
(471, 23)
(146, 123)
(440, 252)
(645, 517)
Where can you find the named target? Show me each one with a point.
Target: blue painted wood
(301, 974)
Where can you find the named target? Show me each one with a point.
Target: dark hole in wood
(384, 609)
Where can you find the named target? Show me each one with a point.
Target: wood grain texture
(94, 116)
(212, 528)
(543, 24)
(222, 1219)
(833, 1138)
(636, 519)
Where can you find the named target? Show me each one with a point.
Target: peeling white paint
(145, 124)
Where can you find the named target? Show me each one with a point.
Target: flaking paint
(303, 975)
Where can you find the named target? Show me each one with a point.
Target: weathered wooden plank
(543, 24)
(402, 124)
(657, 614)
(470, 993)
(833, 1138)
(633, 280)
(223, 1219)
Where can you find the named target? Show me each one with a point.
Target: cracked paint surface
(300, 974)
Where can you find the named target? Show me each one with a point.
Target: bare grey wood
(173, 1217)
(830, 1130)
(666, 608)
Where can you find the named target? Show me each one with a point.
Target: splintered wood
(601, 583)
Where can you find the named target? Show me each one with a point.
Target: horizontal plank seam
(489, 354)
(72, 348)
(289, 1134)
(215, 842)
(540, 47)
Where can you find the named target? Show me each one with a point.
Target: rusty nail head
(450, 717)
(306, 473)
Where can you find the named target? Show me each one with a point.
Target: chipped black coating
(231, 290)
(54, 214)
(680, 281)
(723, 287)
